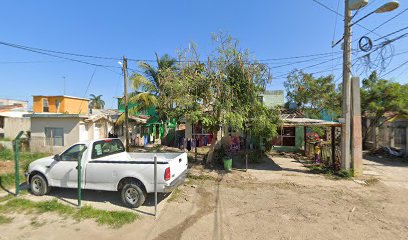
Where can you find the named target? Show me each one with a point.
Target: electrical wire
(395, 69)
(86, 90)
(341, 15)
(53, 55)
(389, 20)
(400, 30)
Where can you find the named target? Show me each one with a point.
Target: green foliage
(379, 96)
(313, 95)
(219, 155)
(114, 219)
(264, 122)
(7, 154)
(96, 102)
(8, 179)
(341, 174)
(5, 220)
(154, 85)
(175, 195)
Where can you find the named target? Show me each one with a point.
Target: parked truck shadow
(70, 196)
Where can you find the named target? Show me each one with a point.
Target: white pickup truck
(105, 165)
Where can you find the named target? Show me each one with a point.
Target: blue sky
(138, 29)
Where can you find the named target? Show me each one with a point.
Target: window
(399, 137)
(54, 136)
(107, 147)
(1, 122)
(74, 153)
(45, 105)
(289, 136)
(57, 105)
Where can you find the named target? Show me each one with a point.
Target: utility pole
(346, 104)
(125, 79)
(357, 142)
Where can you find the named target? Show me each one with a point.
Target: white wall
(70, 128)
(12, 126)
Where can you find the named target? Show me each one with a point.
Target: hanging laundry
(189, 145)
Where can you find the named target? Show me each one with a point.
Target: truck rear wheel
(132, 195)
(39, 185)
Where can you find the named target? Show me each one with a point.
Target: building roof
(13, 114)
(55, 115)
(296, 122)
(63, 96)
(14, 107)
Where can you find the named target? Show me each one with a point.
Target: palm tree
(149, 86)
(96, 102)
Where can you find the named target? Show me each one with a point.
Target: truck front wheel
(39, 185)
(132, 195)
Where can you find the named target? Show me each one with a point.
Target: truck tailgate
(178, 165)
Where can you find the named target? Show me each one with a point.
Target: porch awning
(298, 122)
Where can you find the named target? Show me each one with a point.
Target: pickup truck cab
(105, 165)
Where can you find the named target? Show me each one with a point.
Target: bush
(6, 154)
(343, 173)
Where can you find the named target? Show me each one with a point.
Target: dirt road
(277, 199)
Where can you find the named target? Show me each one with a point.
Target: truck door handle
(48, 166)
(179, 160)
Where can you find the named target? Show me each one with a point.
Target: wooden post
(305, 139)
(406, 142)
(333, 147)
(124, 66)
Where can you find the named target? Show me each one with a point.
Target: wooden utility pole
(125, 79)
(346, 104)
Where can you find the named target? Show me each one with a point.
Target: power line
(400, 30)
(389, 20)
(52, 55)
(27, 62)
(86, 90)
(395, 69)
(341, 15)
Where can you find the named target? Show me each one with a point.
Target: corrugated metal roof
(308, 122)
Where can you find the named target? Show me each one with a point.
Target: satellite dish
(357, 4)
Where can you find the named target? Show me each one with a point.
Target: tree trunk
(216, 141)
(215, 144)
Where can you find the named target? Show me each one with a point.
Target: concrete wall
(70, 128)
(67, 104)
(385, 135)
(12, 126)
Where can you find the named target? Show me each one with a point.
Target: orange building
(60, 104)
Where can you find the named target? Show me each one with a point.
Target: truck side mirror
(57, 157)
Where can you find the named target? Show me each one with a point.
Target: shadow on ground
(268, 164)
(386, 160)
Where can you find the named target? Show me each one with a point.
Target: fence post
(79, 169)
(333, 147)
(17, 161)
(155, 186)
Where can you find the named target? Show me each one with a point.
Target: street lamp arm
(359, 20)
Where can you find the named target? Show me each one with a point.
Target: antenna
(63, 77)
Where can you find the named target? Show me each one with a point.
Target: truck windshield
(107, 147)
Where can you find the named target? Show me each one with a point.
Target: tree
(96, 102)
(149, 87)
(313, 95)
(379, 96)
(226, 90)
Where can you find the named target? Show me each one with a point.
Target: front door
(64, 173)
